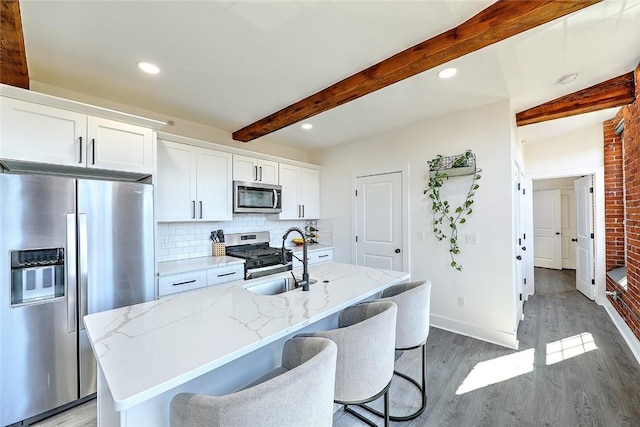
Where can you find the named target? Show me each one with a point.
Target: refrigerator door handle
(71, 273)
(83, 264)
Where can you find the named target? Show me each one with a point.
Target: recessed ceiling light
(447, 73)
(148, 68)
(567, 78)
(306, 126)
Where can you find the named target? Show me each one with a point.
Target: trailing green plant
(446, 217)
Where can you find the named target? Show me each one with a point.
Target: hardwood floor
(572, 369)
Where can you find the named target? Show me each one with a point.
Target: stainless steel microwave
(255, 197)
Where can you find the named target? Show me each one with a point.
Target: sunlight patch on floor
(497, 370)
(567, 348)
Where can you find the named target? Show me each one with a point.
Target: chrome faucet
(305, 260)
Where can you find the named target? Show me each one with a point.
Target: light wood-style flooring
(572, 369)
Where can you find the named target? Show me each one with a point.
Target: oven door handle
(275, 198)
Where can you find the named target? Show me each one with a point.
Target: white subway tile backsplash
(191, 240)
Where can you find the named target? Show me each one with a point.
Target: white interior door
(547, 223)
(379, 221)
(568, 208)
(584, 225)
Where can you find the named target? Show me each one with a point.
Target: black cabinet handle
(557, 233)
(227, 274)
(184, 283)
(574, 240)
(322, 256)
(397, 250)
(93, 151)
(193, 209)
(518, 257)
(524, 248)
(80, 161)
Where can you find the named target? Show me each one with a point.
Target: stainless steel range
(260, 258)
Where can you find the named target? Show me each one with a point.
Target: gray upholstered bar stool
(300, 394)
(412, 329)
(365, 339)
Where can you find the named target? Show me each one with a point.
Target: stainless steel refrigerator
(68, 247)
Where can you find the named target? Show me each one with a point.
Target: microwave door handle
(275, 198)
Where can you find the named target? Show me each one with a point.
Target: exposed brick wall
(613, 165)
(614, 204)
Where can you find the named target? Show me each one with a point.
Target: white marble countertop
(195, 264)
(147, 349)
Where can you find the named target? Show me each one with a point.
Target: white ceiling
(228, 64)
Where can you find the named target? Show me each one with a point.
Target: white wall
(577, 150)
(487, 279)
(180, 127)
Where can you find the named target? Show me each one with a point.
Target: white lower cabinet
(174, 283)
(193, 183)
(216, 276)
(315, 257)
(182, 282)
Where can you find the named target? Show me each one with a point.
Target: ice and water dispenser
(37, 275)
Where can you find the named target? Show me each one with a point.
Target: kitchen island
(213, 340)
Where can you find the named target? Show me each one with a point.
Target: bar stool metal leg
(385, 415)
(421, 387)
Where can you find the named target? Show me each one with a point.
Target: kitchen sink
(277, 286)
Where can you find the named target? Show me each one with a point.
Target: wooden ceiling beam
(501, 20)
(614, 92)
(13, 58)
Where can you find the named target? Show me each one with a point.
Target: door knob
(519, 257)
(397, 250)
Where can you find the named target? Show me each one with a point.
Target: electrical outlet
(473, 239)
(461, 301)
(164, 243)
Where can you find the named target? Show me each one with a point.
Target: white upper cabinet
(38, 133)
(119, 146)
(214, 186)
(254, 170)
(193, 184)
(310, 193)
(175, 182)
(300, 192)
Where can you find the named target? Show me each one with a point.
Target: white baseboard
(626, 332)
(505, 339)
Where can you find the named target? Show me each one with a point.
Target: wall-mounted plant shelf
(446, 217)
(460, 165)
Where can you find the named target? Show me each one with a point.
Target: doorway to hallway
(563, 232)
